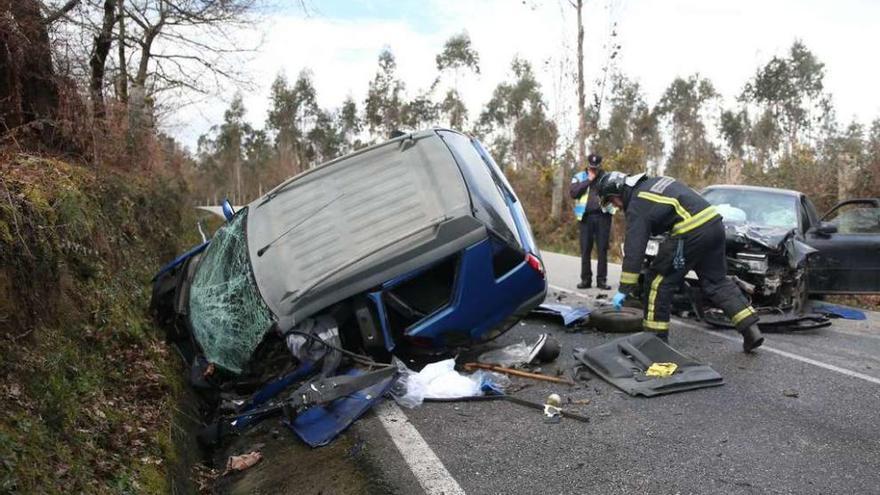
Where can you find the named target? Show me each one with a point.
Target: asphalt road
(797, 417)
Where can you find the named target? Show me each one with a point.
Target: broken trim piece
(623, 362)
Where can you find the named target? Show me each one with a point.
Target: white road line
(790, 355)
(424, 463)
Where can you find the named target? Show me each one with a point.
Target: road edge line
(791, 355)
(430, 472)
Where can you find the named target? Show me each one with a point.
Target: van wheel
(610, 320)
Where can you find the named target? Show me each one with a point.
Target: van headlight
(757, 263)
(652, 248)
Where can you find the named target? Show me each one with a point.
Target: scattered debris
(623, 362)
(569, 314)
(440, 381)
(552, 409)
(318, 410)
(520, 373)
(836, 311)
(545, 350)
(661, 369)
(242, 462)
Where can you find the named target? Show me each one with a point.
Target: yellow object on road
(661, 369)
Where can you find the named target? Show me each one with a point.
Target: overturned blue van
(415, 243)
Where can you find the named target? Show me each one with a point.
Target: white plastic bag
(440, 381)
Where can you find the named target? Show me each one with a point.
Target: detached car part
(624, 362)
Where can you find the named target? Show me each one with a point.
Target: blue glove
(618, 299)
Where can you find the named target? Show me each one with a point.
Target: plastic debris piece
(569, 315)
(545, 349)
(242, 462)
(511, 355)
(661, 369)
(553, 409)
(622, 362)
(836, 311)
(319, 425)
(440, 381)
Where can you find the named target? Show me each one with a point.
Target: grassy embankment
(89, 390)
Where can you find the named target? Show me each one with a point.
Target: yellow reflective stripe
(656, 325)
(742, 315)
(629, 278)
(666, 201)
(653, 295)
(695, 221)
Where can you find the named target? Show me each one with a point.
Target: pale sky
(725, 41)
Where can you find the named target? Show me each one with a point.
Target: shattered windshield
(228, 316)
(759, 208)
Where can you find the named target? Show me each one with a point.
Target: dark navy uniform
(662, 205)
(594, 224)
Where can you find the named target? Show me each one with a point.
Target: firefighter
(594, 223)
(695, 241)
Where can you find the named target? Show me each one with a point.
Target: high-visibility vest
(580, 204)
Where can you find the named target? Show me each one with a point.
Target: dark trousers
(595, 228)
(704, 253)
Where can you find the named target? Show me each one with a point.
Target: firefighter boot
(752, 338)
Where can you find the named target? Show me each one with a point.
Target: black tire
(610, 320)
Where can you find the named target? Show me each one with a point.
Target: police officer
(696, 241)
(594, 223)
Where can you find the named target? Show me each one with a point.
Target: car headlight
(757, 263)
(652, 248)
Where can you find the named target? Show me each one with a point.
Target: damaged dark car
(780, 252)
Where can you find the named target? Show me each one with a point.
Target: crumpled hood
(770, 238)
(773, 239)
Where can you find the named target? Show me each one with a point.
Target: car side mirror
(228, 211)
(825, 229)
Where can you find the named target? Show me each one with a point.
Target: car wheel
(610, 320)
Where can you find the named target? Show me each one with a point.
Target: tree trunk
(558, 184)
(847, 175)
(122, 89)
(582, 108)
(559, 174)
(98, 61)
(138, 94)
(28, 91)
(734, 170)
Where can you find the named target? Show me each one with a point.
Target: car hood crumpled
(774, 239)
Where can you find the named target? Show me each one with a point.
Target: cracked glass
(228, 316)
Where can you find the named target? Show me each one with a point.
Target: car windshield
(759, 208)
(228, 316)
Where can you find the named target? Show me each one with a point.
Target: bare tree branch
(61, 12)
